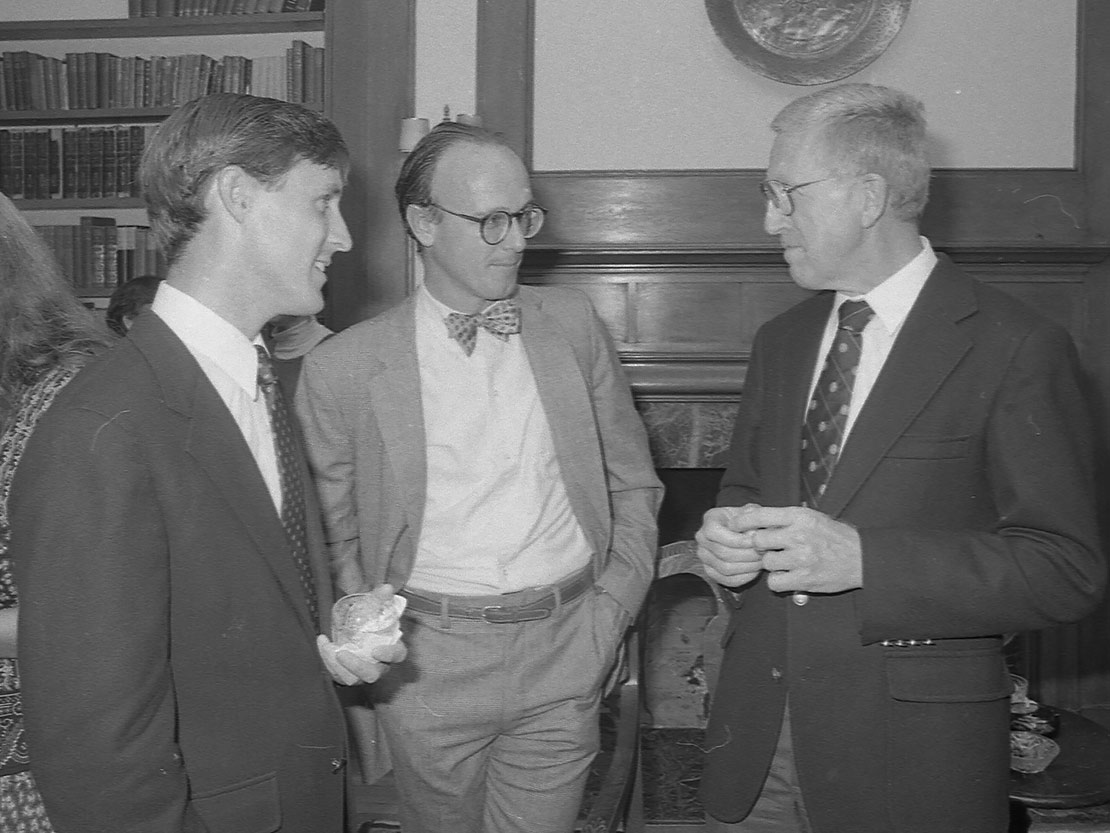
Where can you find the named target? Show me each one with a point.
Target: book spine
(111, 268)
(18, 138)
(42, 164)
(5, 160)
(22, 80)
(83, 163)
(82, 253)
(36, 72)
(65, 252)
(138, 141)
(69, 163)
(30, 163)
(56, 162)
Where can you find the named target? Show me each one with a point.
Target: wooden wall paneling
(370, 72)
(639, 209)
(504, 74)
(626, 236)
(1094, 114)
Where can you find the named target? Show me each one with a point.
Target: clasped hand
(350, 668)
(800, 549)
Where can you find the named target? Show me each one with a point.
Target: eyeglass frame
(518, 216)
(771, 197)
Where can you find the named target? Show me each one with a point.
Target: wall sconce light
(413, 130)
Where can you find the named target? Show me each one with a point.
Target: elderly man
(909, 479)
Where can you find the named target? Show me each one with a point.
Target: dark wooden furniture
(1080, 774)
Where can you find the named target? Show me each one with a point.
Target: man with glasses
(909, 480)
(477, 447)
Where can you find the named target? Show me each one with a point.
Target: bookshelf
(368, 87)
(69, 161)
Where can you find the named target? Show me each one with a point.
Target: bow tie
(501, 318)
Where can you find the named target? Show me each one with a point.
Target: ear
(423, 222)
(235, 190)
(874, 190)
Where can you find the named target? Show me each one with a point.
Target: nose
(338, 234)
(774, 221)
(514, 238)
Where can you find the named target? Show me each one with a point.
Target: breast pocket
(930, 447)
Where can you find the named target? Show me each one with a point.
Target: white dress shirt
(891, 300)
(229, 360)
(497, 517)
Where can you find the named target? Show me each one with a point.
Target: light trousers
(492, 727)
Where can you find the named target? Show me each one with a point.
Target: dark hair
(414, 183)
(128, 299)
(263, 136)
(868, 129)
(43, 322)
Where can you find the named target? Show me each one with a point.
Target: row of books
(99, 80)
(202, 8)
(97, 254)
(87, 162)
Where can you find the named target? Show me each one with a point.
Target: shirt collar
(893, 298)
(207, 334)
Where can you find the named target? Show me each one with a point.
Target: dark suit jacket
(968, 475)
(171, 680)
(361, 410)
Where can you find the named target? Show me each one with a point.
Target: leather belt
(507, 608)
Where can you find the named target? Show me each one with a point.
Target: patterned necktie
(501, 318)
(292, 486)
(827, 414)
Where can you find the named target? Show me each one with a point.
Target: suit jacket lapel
(214, 440)
(927, 349)
(395, 391)
(567, 405)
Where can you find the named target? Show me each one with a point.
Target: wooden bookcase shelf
(162, 27)
(89, 204)
(369, 89)
(100, 115)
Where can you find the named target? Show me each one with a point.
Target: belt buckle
(501, 615)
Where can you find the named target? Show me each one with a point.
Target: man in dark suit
(502, 479)
(888, 512)
(170, 561)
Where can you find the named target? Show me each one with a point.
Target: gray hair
(866, 128)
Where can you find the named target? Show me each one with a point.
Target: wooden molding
(664, 208)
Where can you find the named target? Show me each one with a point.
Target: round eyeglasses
(777, 193)
(494, 227)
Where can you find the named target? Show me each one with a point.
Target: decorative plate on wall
(807, 41)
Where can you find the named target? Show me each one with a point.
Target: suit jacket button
(800, 598)
(776, 675)
(337, 765)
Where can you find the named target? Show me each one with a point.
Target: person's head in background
(465, 198)
(42, 322)
(128, 300)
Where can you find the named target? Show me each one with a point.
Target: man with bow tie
(477, 447)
